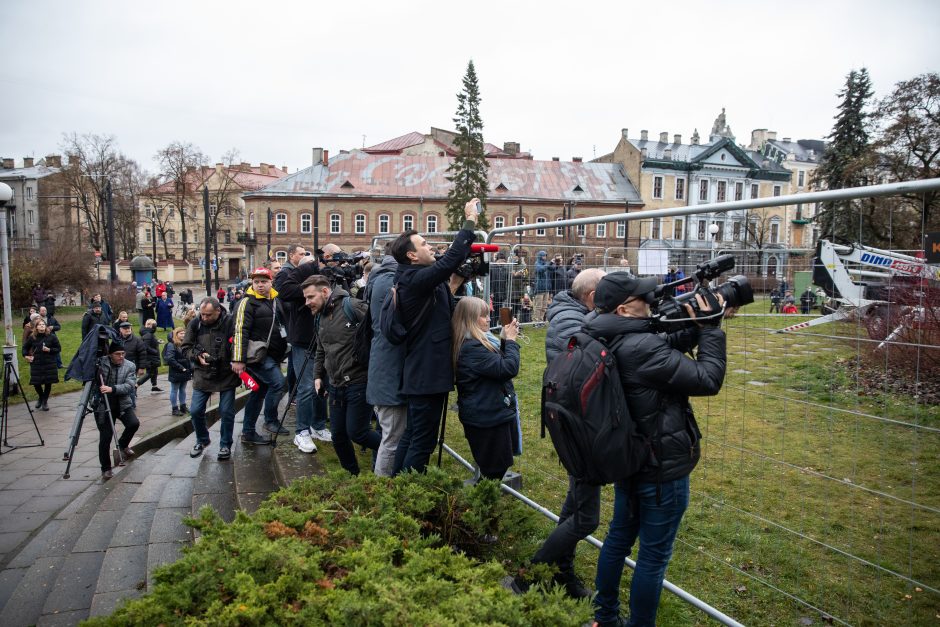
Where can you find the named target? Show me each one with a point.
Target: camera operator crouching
(658, 379)
(338, 318)
(119, 391)
(207, 344)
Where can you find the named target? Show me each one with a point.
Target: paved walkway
(32, 489)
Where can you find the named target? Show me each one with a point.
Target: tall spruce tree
(467, 172)
(847, 161)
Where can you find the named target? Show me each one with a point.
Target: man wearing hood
(658, 379)
(260, 318)
(543, 285)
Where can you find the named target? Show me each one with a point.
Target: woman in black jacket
(40, 350)
(181, 371)
(485, 367)
(152, 360)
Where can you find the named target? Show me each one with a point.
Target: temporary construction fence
(818, 496)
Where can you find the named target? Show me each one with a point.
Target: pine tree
(467, 172)
(847, 160)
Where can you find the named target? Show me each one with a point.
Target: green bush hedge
(342, 550)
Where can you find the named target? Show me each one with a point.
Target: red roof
(397, 144)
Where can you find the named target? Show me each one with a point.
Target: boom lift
(882, 288)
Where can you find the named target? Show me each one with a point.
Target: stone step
(215, 484)
(253, 469)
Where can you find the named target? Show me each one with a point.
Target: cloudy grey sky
(274, 79)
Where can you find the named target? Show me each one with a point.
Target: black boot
(176, 411)
(183, 409)
(45, 403)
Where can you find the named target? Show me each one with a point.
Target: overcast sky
(274, 79)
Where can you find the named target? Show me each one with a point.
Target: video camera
(669, 312)
(347, 267)
(474, 265)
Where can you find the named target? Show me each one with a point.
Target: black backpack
(391, 323)
(585, 411)
(362, 344)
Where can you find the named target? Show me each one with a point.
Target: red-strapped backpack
(585, 411)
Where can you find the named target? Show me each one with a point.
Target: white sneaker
(323, 435)
(304, 443)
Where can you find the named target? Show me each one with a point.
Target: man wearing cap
(119, 391)
(657, 379)
(135, 350)
(260, 317)
(92, 317)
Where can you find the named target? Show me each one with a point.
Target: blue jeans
(656, 525)
(351, 419)
(311, 409)
(226, 415)
(178, 393)
(424, 421)
(271, 382)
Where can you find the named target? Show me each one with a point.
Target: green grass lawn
(800, 472)
(70, 338)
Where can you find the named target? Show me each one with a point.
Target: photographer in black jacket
(657, 379)
(428, 373)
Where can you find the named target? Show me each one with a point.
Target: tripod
(11, 382)
(80, 413)
(293, 392)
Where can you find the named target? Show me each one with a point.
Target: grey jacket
(123, 380)
(565, 316)
(386, 360)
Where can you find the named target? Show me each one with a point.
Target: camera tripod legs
(11, 379)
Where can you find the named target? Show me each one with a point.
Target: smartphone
(505, 316)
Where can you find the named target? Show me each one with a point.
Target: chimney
(644, 136)
(576, 159)
(553, 159)
(663, 137)
(27, 162)
(54, 161)
(264, 169)
(326, 157)
(643, 153)
(511, 148)
(625, 133)
(677, 139)
(73, 160)
(284, 169)
(667, 154)
(218, 168)
(771, 135)
(245, 166)
(7, 163)
(786, 140)
(317, 156)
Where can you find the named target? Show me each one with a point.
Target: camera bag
(585, 412)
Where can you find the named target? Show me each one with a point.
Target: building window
(336, 223)
(171, 236)
(581, 230)
(306, 223)
(722, 191)
(360, 223)
(520, 220)
(621, 230)
(559, 230)
(29, 193)
(657, 187)
(799, 211)
(281, 256)
(280, 223)
(739, 191)
(407, 223)
(384, 223)
(212, 210)
(776, 190)
(736, 230)
(677, 225)
(774, 232)
(432, 224)
(755, 190)
(147, 235)
(703, 190)
(701, 229)
(656, 228)
(498, 223)
(601, 230)
(227, 236)
(540, 232)
(30, 216)
(680, 188)
(801, 178)
(720, 235)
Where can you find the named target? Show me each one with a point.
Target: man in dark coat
(428, 375)
(657, 379)
(134, 348)
(92, 317)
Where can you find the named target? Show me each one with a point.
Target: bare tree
(758, 231)
(181, 168)
(161, 210)
(222, 203)
(126, 191)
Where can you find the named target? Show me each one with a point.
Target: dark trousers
(491, 448)
(152, 375)
(43, 390)
(424, 421)
(351, 421)
(579, 517)
(131, 424)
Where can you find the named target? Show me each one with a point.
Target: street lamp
(9, 344)
(713, 231)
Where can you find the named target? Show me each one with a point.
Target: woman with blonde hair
(485, 367)
(181, 371)
(40, 349)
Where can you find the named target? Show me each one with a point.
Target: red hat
(262, 271)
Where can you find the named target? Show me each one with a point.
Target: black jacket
(216, 340)
(52, 323)
(300, 321)
(135, 351)
(151, 353)
(658, 380)
(428, 366)
(254, 316)
(89, 320)
(336, 335)
(485, 394)
(43, 368)
(181, 369)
